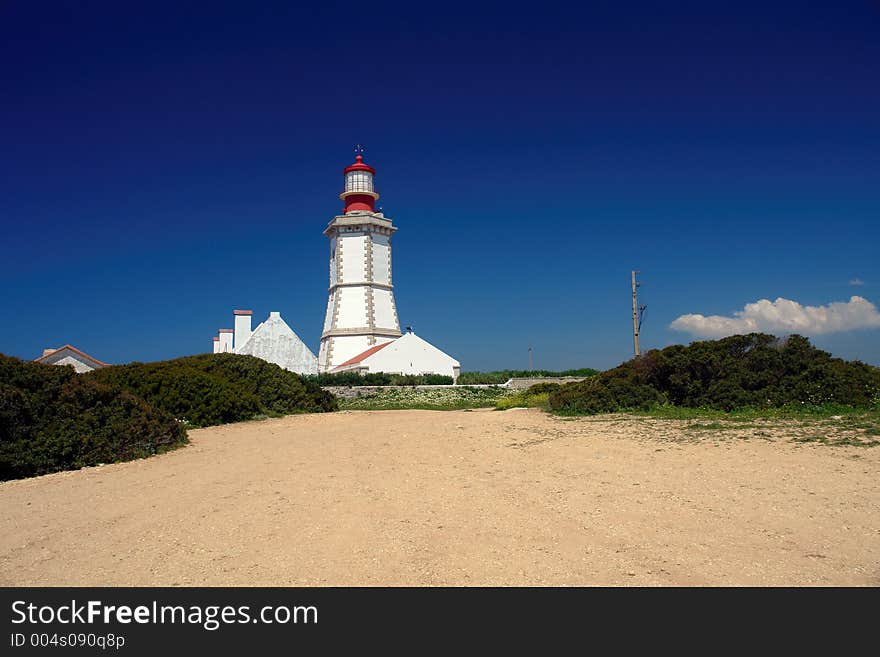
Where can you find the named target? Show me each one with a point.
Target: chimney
(225, 341)
(242, 327)
(216, 344)
(48, 351)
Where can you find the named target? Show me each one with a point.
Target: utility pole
(638, 311)
(531, 367)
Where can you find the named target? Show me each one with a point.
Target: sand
(454, 498)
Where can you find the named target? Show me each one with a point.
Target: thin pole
(635, 286)
(530, 359)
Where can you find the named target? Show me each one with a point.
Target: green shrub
(536, 396)
(543, 388)
(278, 391)
(212, 389)
(738, 372)
(52, 419)
(604, 394)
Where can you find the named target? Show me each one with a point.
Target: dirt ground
(454, 498)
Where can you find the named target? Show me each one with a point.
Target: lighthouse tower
(360, 310)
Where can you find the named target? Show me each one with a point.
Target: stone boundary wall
(523, 383)
(351, 392)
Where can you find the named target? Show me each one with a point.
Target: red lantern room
(359, 194)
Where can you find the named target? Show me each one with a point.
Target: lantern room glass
(358, 181)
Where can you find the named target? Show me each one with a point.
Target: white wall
(352, 307)
(225, 341)
(322, 355)
(348, 346)
(332, 261)
(328, 317)
(410, 354)
(242, 330)
(78, 365)
(383, 309)
(381, 259)
(353, 249)
(274, 341)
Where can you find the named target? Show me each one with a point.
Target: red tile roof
(369, 352)
(75, 350)
(242, 312)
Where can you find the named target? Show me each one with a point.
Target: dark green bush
(52, 419)
(605, 393)
(277, 390)
(542, 388)
(741, 371)
(218, 388)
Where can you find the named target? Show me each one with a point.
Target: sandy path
(457, 498)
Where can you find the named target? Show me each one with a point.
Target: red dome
(359, 166)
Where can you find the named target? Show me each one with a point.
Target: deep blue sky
(163, 164)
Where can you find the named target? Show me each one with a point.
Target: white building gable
(408, 354)
(274, 341)
(70, 355)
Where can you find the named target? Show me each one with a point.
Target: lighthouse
(361, 313)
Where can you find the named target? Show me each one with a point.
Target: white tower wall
(333, 264)
(352, 307)
(384, 313)
(382, 259)
(328, 317)
(360, 309)
(350, 346)
(351, 251)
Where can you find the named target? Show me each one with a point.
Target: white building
(273, 341)
(70, 355)
(408, 354)
(360, 307)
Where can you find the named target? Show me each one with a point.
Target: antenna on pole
(638, 313)
(531, 365)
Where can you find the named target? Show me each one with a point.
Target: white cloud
(857, 281)
(784, 316)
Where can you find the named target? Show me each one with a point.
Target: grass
(803, 411)
(825, 425)
(435, 399)
(839, 441)
(821, 425)
(523, 399)
(715, 426)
